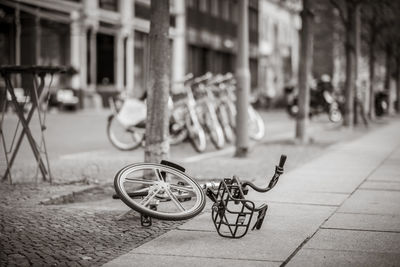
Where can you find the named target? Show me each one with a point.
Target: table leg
(18, 144)
(26, 130)
(3, 141)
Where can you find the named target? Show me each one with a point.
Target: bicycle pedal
(145, 220)
(185, 199)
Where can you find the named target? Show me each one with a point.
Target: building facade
(107, 40)
(278, 47)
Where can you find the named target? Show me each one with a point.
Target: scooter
(321, 101)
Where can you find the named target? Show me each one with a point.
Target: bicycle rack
(231, 212)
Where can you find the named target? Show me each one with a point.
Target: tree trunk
(398, 85)
(243, 82)
(157, 144)
(304, 71)
(389, 55)
(358, 101)
(372, 60)
(350, 83)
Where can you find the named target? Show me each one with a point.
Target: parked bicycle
(126, 125)
(164, 191)
(204, 107)
(255, 122)
(207, 111)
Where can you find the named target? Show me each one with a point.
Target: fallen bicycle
(164, 191)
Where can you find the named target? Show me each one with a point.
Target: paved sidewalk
(342, 208)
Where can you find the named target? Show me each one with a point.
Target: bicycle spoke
(182, 188)
(141, 181)
(159, 175)
(175, 200)
(145, 201)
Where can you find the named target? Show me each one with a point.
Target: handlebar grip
(282, 161)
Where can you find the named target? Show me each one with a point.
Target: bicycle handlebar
(203, 78)
(282, 161)
(274, 179)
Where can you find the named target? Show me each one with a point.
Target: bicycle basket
(231, 212)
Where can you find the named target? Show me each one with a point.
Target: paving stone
(372, 202)
(381, 185)
(173, 260)
(348, 240)
(80, 232)
(372, 222)
(317, 257)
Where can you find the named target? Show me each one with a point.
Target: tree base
(241, 152)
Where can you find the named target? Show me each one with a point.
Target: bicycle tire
(196, 135)
(335, 115)
(177, 136)
(214, 130)
(223, 117)
(257, 126)
(117, 142)
(158, 187)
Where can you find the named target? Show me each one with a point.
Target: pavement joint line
(303, 204)
(383, 181)
(194, 230)
(338, 207)
(297, 250)
(203, 257)
(377, 189)
(351, 250)
(359, 230)
(329, 192)
(366, 213)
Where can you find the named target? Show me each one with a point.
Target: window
(111, 5)
(192, 4)
(205, 5)
(105, 59)
(215, 8)
(141, 62)
(233, 11)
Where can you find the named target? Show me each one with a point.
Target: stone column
(119, 60)
(38, 38)
(179, 43)
(89, 53)
(130, 65)
(125, 49)
(243, 81)
(93, 59)
(17, 36)
(17, 47)
(77, 61)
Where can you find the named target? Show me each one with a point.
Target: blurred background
(106, 41)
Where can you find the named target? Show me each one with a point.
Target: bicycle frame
(231, 212)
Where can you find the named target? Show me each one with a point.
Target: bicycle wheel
(214, 130)
(196, 134)
(177, 133)
(121, 137)
(144, 186)
(177, 126)
(256, 124)
(335, 115)
(223, 117)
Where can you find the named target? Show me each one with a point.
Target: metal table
(39, 95)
